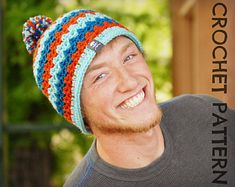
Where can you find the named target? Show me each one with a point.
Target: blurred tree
(57, 153)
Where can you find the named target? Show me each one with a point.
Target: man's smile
(134, 100)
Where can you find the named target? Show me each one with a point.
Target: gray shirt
(199, 137)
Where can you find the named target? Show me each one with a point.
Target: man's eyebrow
(94, 67)
(97, 66)
(126, 46)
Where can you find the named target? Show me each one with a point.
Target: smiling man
(123, 87)
(93, 71)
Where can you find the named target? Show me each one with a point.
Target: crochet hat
(62, 51)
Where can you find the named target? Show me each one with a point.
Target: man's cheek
(105, 101)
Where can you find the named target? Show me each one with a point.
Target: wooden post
(193, 46)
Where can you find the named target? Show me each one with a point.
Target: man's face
(118, 92)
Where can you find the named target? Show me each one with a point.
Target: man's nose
(126, 81)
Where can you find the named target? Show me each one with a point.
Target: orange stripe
(38, 44)
(31, 24)
(71, 68)
(52, 54)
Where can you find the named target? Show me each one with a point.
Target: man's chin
(123, 130)
(129, 129)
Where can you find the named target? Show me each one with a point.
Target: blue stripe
(73, 32)
(41, 62)
(68, 60)
(87, 173)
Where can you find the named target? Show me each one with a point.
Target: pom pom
(33, 30)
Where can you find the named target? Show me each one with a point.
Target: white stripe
(46, 37)
(66, 38)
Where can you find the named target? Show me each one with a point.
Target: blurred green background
(45, 158)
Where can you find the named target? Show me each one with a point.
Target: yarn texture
(62, 52)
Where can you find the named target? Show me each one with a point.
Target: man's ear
(87, 126)
(82, 109)
(83, 112)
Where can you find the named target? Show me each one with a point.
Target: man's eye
(100, 76)
(129, 57)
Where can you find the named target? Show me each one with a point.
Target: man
(94, 73)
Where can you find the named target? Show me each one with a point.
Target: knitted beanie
(62, 51)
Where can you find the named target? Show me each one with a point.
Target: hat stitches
(62, 55)
(33, 29)
(46, 40)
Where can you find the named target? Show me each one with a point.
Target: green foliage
(25, 102)
(148, 19)
(68, 148)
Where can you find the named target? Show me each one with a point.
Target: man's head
(118, 91)
(68, 51)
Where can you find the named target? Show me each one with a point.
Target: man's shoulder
(195, 113)
(201, 98)
(193, 106)
(80, 173)
(187, 101)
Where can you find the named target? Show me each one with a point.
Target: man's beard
(124, 129)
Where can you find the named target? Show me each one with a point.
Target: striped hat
(62, 51)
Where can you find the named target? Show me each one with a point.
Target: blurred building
(204, 48)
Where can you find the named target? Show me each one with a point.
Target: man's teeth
(134, 101)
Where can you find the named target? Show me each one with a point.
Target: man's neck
(132, 150)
